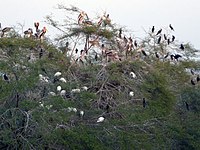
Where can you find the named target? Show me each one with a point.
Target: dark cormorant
(144, 53)
(187, 106)
(173, 38)
(153, 29)
(171, 27)
(182, 47)
(135, 43)
(198, 78)
(159, 39)
(192, 82)
(165, 37)
(144, 103)
(168, 41)
(157, 56)
(159, 32)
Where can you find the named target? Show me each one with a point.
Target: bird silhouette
(171, 27)
(153, 29)
(166, 55)
(144, 53)
(165, 37)
(172, 57)
(96, 57)
(135, 43)
(192, 71)
(159, 31)
(159, 39)
(144, 103)
(198, 78)
(177, 56)
(192, 82)
(168, 41)
(5, 77)
(157, 56)
(173, 38)
(120, 33)
(187, 106)
(182, 47)
(76, 50)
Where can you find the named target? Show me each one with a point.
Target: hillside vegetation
(146, 103)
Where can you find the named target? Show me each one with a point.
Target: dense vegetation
(32, 118)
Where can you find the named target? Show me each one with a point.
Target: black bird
(198, 78)
(144, 103)
(159, 39)
(44, 70)
(107, 108)
(187, 106)
(76, 50)
(135, 43)
(144, 53)
(96, 57)
(81, 51)
(173, 38)
(182, 47)
(159, 32)
(125, 39)
(157, 56)
(171, 27)
(168, 41)
(5, 77)
(172, 57)
(177, 56)
(67, 44)
(166, 55)
(192, 82)
(153, 29)
(120, 33)
(192, 71)
(165, 37)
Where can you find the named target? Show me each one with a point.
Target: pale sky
(136, 15)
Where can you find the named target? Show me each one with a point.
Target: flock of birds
(39, 33)
(62, 92)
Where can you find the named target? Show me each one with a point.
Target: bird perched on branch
(144, 102)
(170, 26)
(192, 82)
(157, 56)
(159, 31)
(182, 47)
(82, 17)
(153, 29)
(173, 38)
(159, 39)
(100, 119)
(4, 30)
(28, 33)
(187, 106)
(198, 78)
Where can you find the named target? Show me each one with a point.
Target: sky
(136, 15)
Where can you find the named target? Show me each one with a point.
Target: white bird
(59, 88)
(57, 74)
(52, 93)
(100, 119)
(131, 93)
(81, 113)
(74, 110)
(69, 109)
(133, 75)
(63, 92)
(75, 91)
(85, 88)
(63, 80)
